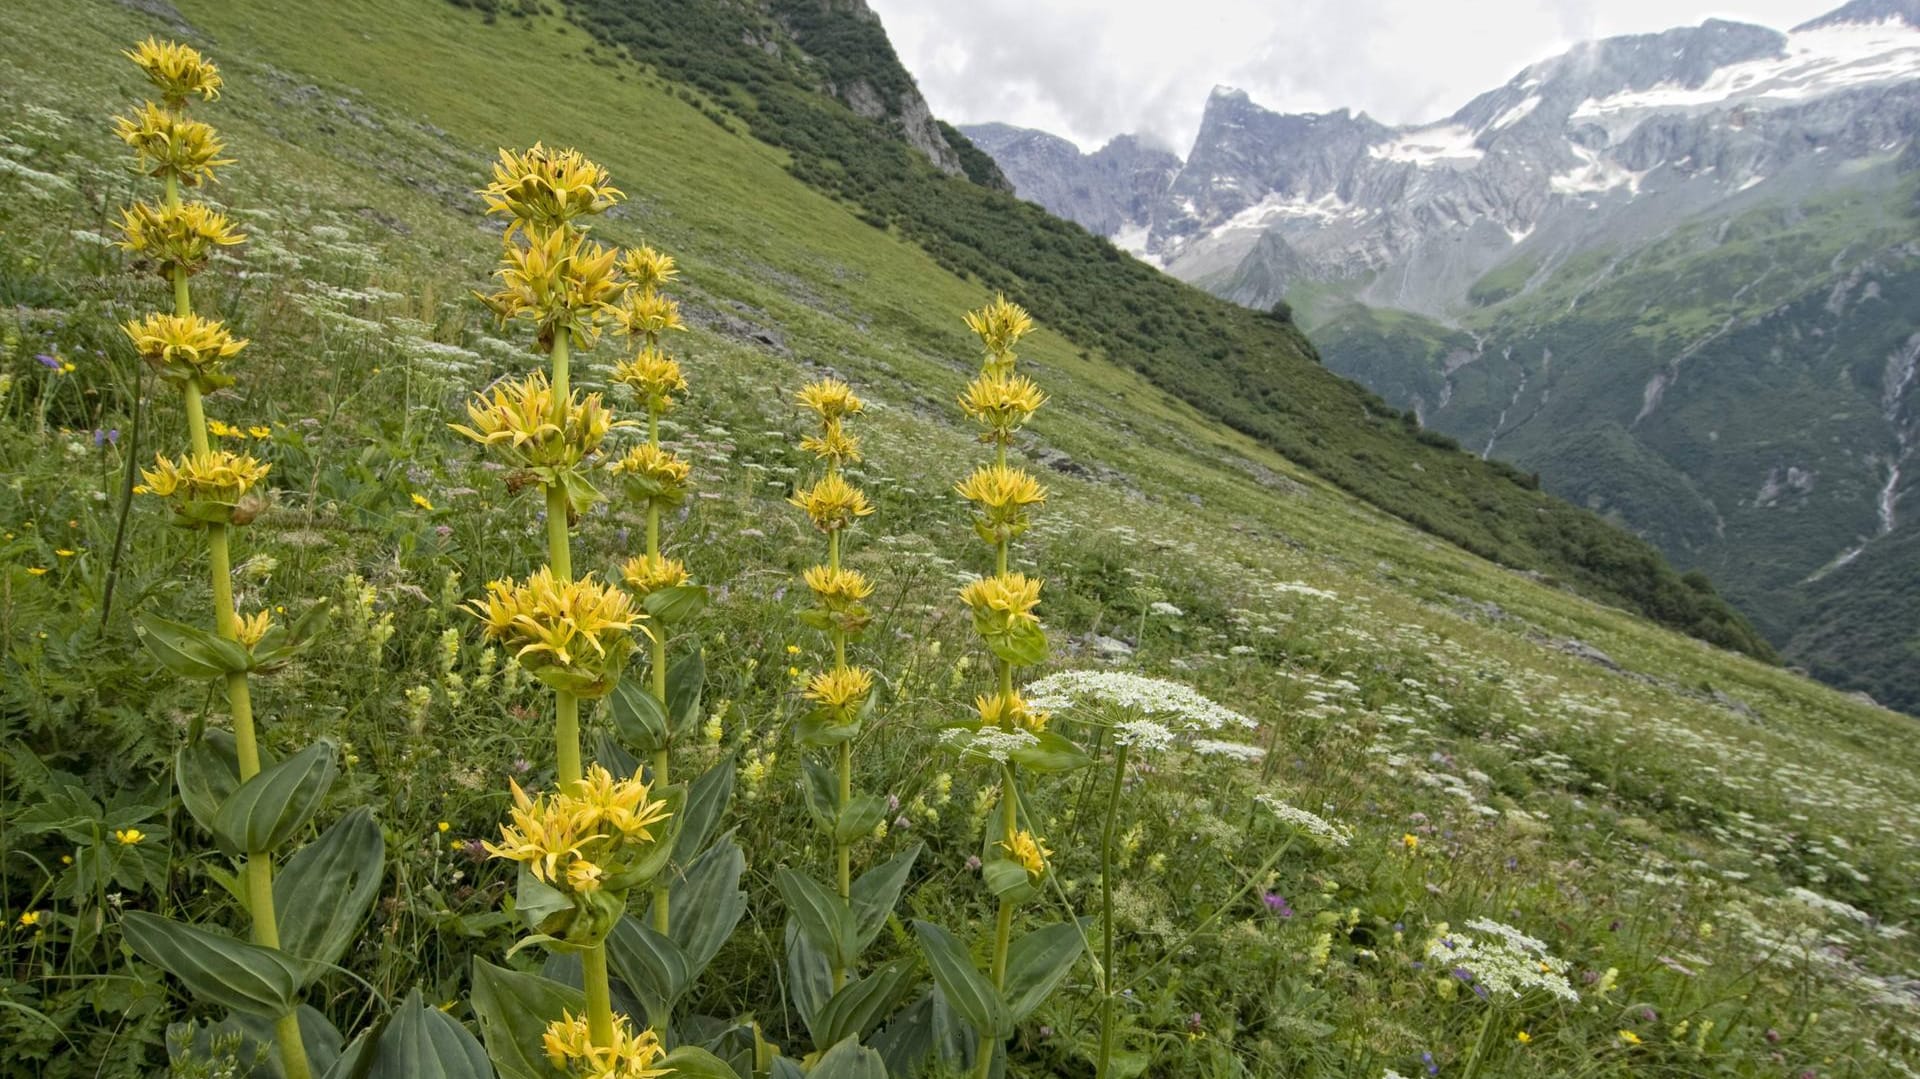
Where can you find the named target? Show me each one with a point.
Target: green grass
(1651, 821)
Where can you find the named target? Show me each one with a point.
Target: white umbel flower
(1174, 704)
(1318, 828)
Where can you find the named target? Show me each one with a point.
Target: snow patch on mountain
(1440, 144)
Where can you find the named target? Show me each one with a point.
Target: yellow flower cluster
(647, 574)
(655, 476)
(207, 488)
(573, 635)
(654, 377)
(649, 270)
(643, 312)
(178, 70)
(518, 420)
(185, 348)
(251, 629)
(548, 190)
(168, 144)
(840, 693)
(837, 589)
(832, 503)
(569, 1045)
(1027, 849)
(583, 837)
(178, 237)
(1003, 600)
(561, 282)
(1002, 495)
(1001, 402)
(1000, 325)
(1010, 712)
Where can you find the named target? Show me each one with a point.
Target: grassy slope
(1642, 786)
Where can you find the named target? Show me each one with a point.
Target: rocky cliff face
(1111, 191)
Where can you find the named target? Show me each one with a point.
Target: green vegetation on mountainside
(1718, 391)
(1254, 373)
(1722, 853)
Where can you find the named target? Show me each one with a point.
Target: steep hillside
(1715, 848)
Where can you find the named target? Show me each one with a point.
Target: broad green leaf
(426, 1043)
(676, 605)
(692, 1062)
(514, 1010)
(1007, 879)
(875, 893)
(822, 791)
(964, 987)
(636, 714)
(1036, 965)
(860, 1004)
(189, 651)
(862, 814)
(327, 887)
(653, 966)
(269, 808)
(542, 907)
(686, 680)
(207, 772)
(907, 1040)
(823, 916)
(809, 979)
(256, 1033)
(848, 1059)
(1053, 753)
(282, 644)
(707, 802)
(232, 973)
(707, 903)
(659, 851)
(1023, 645)
(818, 728)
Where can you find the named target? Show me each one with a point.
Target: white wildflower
(991, 743)
(1318, 828)
(1178, 704)
(1212, 747)
(1143, 734)
(1506, 961)
(1165, 609)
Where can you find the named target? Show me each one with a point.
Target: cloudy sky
(1092, 69)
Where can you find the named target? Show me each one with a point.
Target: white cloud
(1092, 69)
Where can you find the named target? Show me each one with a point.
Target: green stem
(1106, 914)
(559, 554)
(566, 737)
(1479, 1043)
(593, 967)
(562, 387)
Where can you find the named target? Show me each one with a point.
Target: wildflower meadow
(527, 589)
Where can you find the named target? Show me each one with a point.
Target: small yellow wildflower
(422, 501)
(129, 837)
(1629, 1037)
(221, 429)
(178, 70)
(37, 571)
(833, 503)
(1411, 842)
(260, 430)
(793, 650)
(1523, 1037)
(444, 826)
(64, 552)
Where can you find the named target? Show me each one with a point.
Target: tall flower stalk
(585, 846)
(656, 478)
(1005, 730)
(840, 696)
(252, 810)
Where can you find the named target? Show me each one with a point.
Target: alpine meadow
(597, 539)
